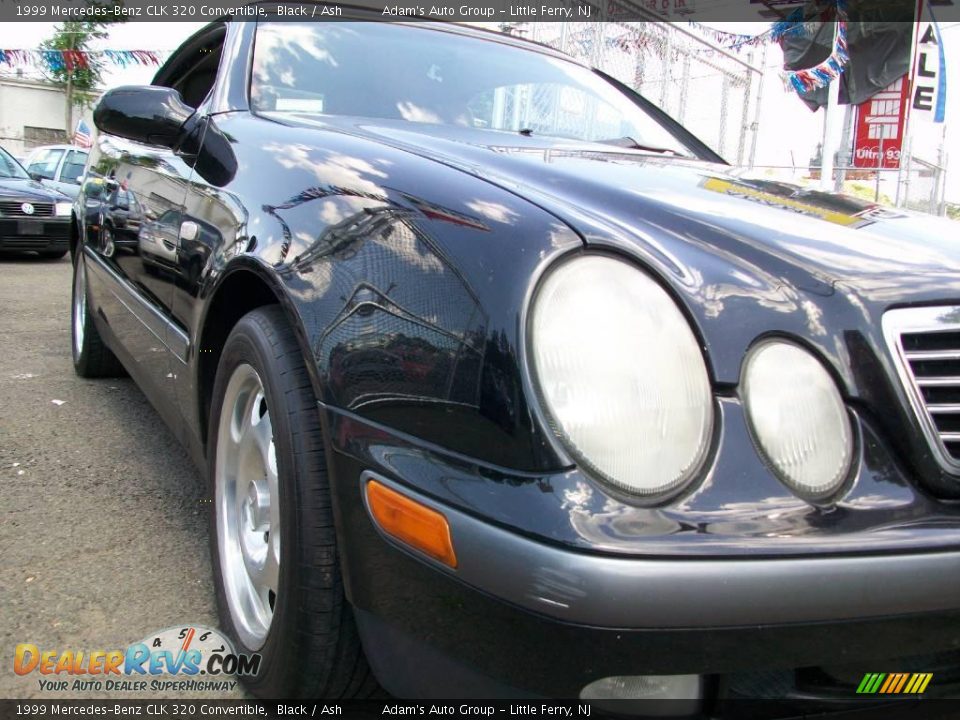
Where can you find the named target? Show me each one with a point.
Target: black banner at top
(494, 11)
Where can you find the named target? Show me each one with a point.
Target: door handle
(189, 230)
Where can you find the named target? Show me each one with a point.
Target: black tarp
(879, 37)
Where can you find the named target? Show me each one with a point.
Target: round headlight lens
(620, 374)
(798, 417)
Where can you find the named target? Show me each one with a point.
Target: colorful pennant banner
(793, 24)
(56, 60)
(822, 74)
(808, 79)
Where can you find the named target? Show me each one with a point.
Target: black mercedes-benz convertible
(506, 385)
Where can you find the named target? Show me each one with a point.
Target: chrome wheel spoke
(272, 568)
(261, 434)
(273, 545)
(266, 575)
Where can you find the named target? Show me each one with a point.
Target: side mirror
(37, 176)
(144, 113)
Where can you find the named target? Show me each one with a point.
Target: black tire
(52, 254)
(91, 357)
(312, 648)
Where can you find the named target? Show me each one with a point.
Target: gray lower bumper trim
(631, 593)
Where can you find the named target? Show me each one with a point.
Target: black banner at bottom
(391, 708)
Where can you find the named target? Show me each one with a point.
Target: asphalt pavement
(102, 532)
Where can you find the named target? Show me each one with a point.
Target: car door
(181, 248)
(140, 281)
(134, 296)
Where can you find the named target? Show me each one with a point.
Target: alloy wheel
(79, 306)
(248, 506)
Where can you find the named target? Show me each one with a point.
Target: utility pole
(845, 155)
(831, 141)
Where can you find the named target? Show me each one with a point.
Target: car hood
(28, 189)
(812, 239)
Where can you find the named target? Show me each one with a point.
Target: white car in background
(59, 166)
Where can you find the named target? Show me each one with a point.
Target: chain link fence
(712, 92)
(716, 94)
(922, 186)
(917, 184)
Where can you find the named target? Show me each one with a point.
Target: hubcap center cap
(256, 506)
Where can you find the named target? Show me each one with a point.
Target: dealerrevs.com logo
(176, 659)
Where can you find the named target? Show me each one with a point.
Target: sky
(789, 132)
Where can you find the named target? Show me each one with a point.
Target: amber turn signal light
(411, 523)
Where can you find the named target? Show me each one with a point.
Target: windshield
(10, 168)
(399, 72)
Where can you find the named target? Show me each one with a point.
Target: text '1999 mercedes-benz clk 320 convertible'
(506, 385)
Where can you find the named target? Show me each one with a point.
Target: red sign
(880, 122)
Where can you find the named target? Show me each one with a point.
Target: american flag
(82, 135)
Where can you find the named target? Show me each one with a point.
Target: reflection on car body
(480, 387)
(114, 212)
(179, 245)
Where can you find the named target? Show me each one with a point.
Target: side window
(45, 164)
(73, 167)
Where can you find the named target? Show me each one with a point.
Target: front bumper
(22, 233)
(522, 615)
(691, 593)
(534, 619)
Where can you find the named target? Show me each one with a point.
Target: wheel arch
(243, 287)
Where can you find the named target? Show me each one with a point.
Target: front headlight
(798, 418)
(63, 209)
(620, 375)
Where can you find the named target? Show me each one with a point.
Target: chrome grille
(14, 208)
(925, 344)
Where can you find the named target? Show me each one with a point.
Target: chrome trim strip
(932, 354)
(944, 318)
(172, 337)
(943, 408)
(934, 381)
(605, 591)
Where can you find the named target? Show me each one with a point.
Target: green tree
(80, 82)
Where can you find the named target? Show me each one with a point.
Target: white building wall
(29, 103)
